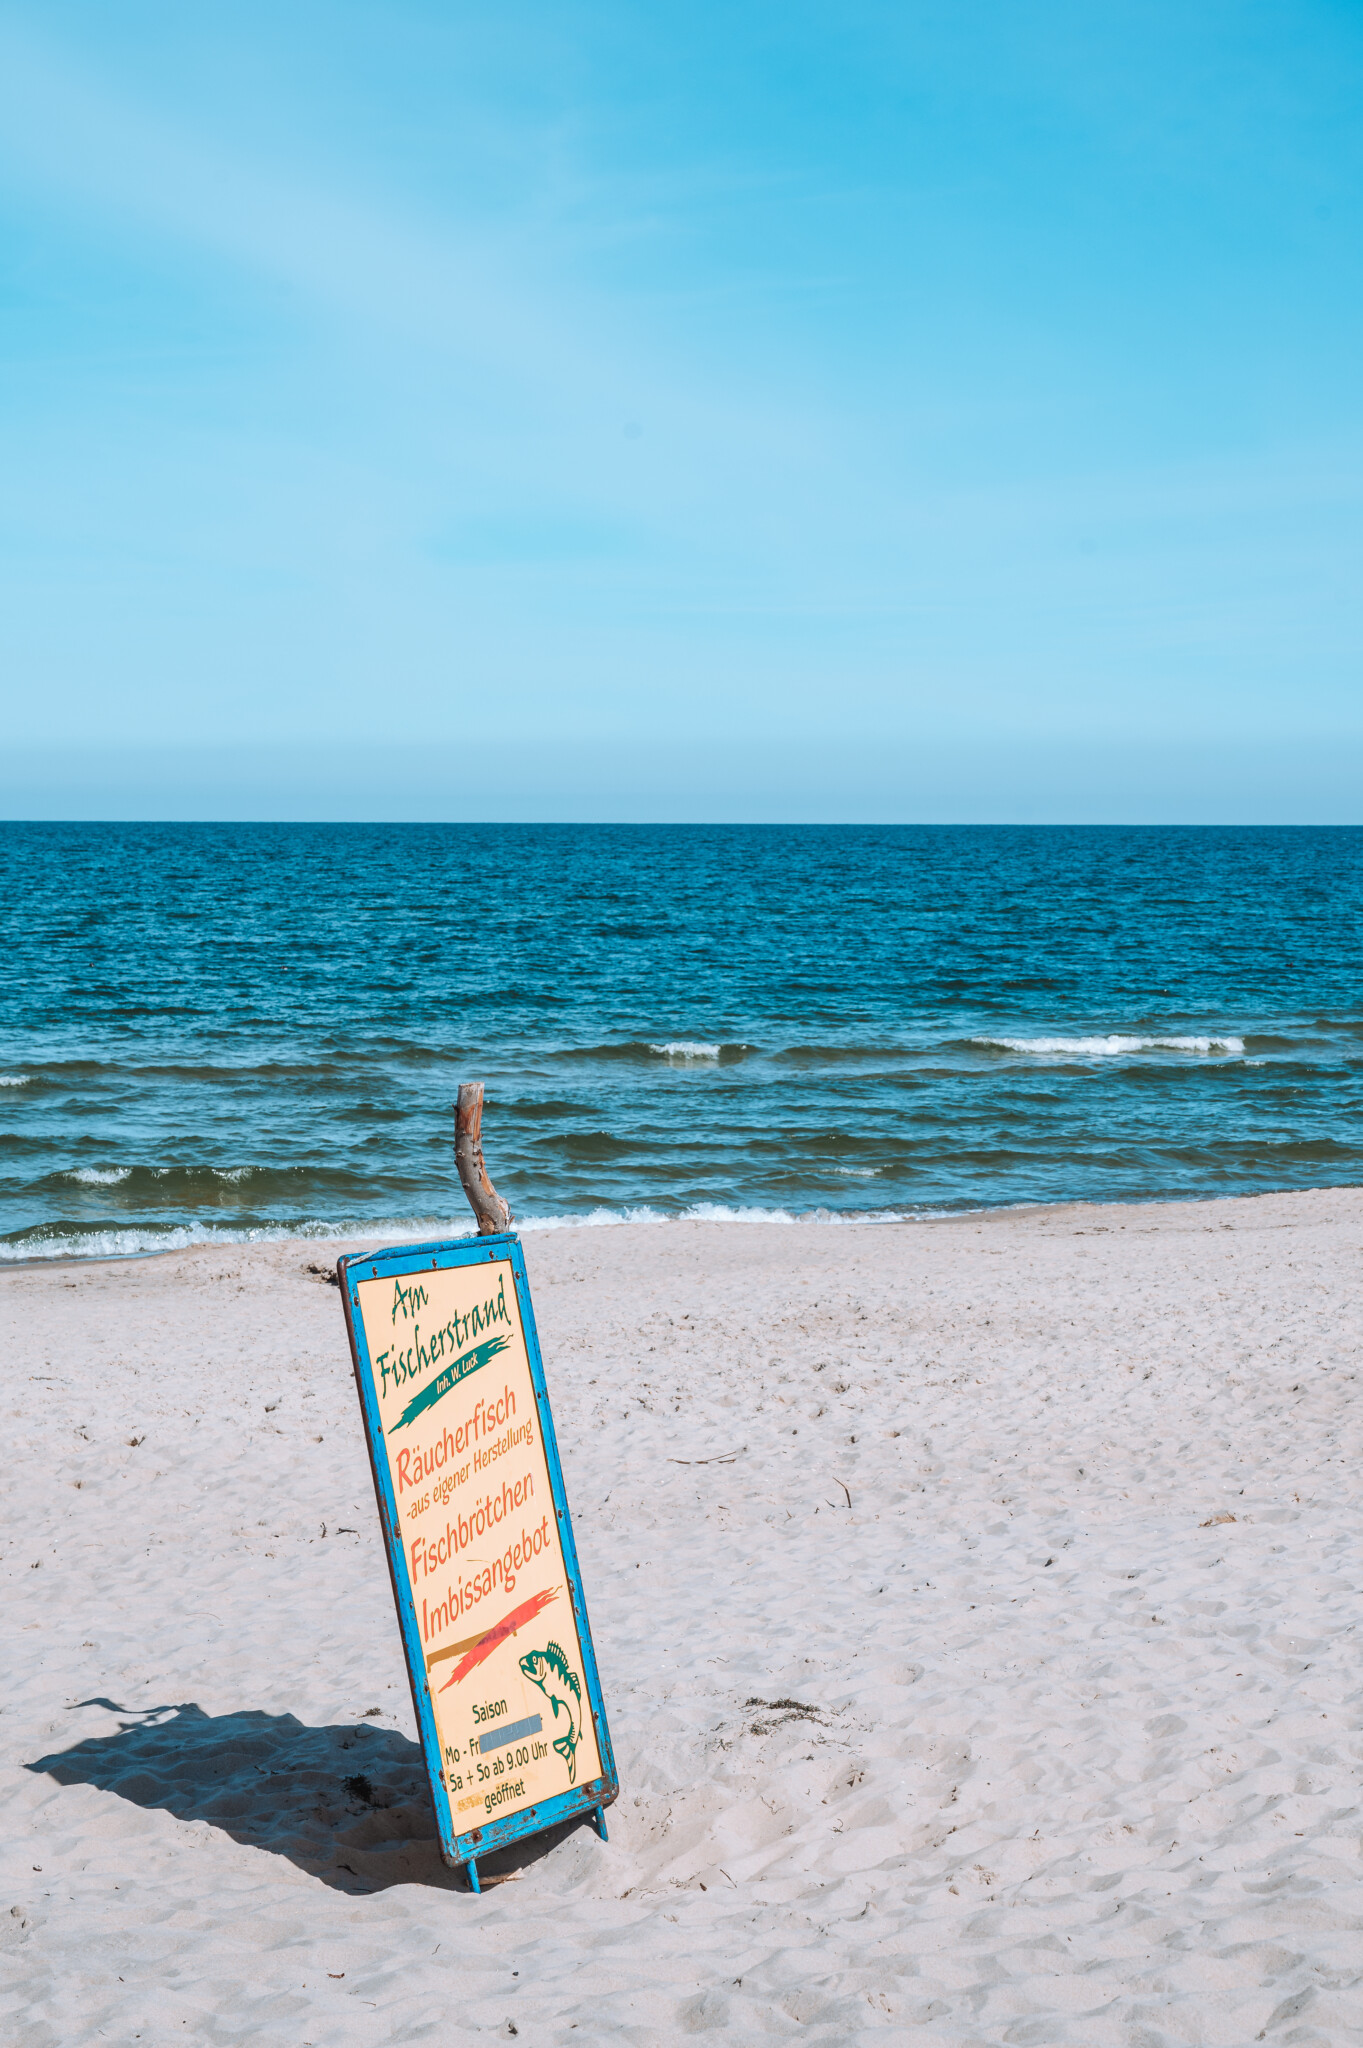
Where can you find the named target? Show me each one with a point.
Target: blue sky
(776, 411)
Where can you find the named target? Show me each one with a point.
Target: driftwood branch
(487, 1205)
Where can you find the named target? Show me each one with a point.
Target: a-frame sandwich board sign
(480, 1546)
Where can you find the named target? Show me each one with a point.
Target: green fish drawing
(548, 1669)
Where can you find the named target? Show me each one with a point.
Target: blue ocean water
(243, 1030)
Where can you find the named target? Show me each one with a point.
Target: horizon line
(741, 824)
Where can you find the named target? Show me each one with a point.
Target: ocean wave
(647, 1052)
(76, 1241)
(1112, 1045)
(234, 1175)
(15, 1080)
(837, 1055)
(54, 1242)
(695, 1212)
(169, 1183)
(720, 1212)
(592, 1219)
(71, 1241)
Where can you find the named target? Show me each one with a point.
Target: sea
(248, 1031)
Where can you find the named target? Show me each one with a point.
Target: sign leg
(472, 1869)
(599, 1817)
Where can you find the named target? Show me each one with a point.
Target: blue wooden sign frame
(580, 1801)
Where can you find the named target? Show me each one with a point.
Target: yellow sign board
(479, 1542)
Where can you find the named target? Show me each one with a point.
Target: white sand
(1075, 1767)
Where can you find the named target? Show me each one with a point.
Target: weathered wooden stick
(487, 1205)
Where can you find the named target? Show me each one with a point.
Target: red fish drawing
(484, 1645)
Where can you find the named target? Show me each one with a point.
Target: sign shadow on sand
(349, 1804)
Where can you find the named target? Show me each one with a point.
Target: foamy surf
(114, 1176)
(1111, 1045)
(718, 1212)
(134, 1242)
(143, 1241)
(687, 1049)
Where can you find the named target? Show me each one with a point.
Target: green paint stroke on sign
(471, 1361)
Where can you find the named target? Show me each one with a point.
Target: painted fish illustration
(548, 1669)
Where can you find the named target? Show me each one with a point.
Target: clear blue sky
(813, 409)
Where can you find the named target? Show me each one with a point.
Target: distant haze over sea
(216, 1031)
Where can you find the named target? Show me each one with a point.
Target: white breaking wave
(857, 1172)
(1112, 1046)
(698, 1212)
(15, 1080)
(594, 1219)
(687, 1049)
(721, 1212)
(99, 1176)
(141, 1243)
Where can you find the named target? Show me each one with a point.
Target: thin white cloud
(498, 302)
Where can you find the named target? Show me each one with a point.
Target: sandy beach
(977, 1605)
